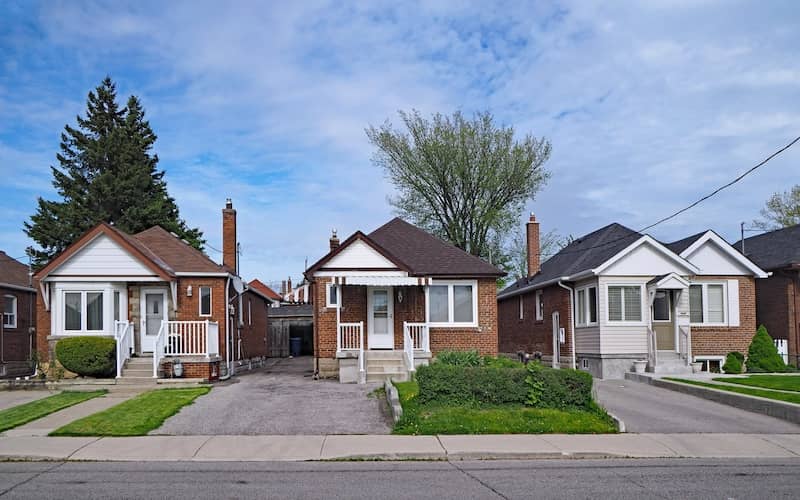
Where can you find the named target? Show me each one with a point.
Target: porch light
(399, 296)
(189, 291)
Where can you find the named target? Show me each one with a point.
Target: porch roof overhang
(671, 281)
(380, 280)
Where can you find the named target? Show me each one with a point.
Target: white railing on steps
(685, 344)
(123, 334)
(419, 334)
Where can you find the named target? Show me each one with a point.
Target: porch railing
(652, 348)
(419, 335)
(685, 344)
(158, 347)
(350, 337)
(185, 338)
(123, 334)
(408, 350)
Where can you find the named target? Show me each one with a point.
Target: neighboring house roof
(582, 254)
(291, 311)
(681, 245)
(264, 290)
(773, 250)
(417, 252)
(13, 273)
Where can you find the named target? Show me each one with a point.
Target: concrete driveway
(645, 408)
(283, 399)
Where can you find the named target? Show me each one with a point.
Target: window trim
(725, 312)
(328, 302)
(451, 304)
(539, 305)
(200, 301)
(585, 303)
(14, 314)
(639, 322)
(84, 311)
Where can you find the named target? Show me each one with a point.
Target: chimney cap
(533, 217)
(333, 233)
(228, 203)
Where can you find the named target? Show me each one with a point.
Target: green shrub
(88, 356)
(460, 358)
(501, 362)
(762, 356)
(471, 385)
(733, 362)
(559, 389)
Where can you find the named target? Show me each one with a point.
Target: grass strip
(28, 412)
(433, 419)
(135, 417)
(748, 391)
(779, 382)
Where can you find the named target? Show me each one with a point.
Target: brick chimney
(289, 285)
(283, 287)
(229, 254)
(533, 245)
(334, 241)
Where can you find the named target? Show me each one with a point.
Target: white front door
(556, 339)
(380, 322)
(153, 305)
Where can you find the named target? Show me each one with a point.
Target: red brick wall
(254, 332)
(42, 327)
(188, 308)
(16, 341)
(777, 306)
(483, 338)
(528, 334)
(718, 341)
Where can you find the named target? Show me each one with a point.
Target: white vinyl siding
(10, 311)
(616, 337)
(452, 303)
(359, 255)
(102, 257)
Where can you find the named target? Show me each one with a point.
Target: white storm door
(380, 322)
(154, 311)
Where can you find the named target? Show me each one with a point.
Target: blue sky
(648, 105)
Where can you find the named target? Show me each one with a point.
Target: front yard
(28, 412)
(778, 395)
(779, 382)
(434, 418)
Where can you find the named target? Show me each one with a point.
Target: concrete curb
(618, 422)
(778, 409)
(393, 398)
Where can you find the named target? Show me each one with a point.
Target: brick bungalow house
(19, 321)
(778, 297)
(615, 296)
(387, 301)
(159, 297)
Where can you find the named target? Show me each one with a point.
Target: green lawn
(135, 417)
(28, 412)
(779, 396)
(780, 382)
(439, 419)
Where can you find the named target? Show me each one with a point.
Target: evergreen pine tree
(109, 173)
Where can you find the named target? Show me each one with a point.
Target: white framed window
(452, 303)
(117, 306)
(205, 301)
(331, 295)
(707, 304)
(521, 308)
(83, 311)
(586, 306)
(539, 305)
(624, 303)
(662, 306)
(10, 311)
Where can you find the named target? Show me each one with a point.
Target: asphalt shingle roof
(13, 272)
(773, 250)
(681, 245)
(172, 253)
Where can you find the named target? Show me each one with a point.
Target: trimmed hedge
(762, 356)
(445, 384)
(734, 362)
(88, 356)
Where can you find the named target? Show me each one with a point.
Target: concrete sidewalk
(381, 447)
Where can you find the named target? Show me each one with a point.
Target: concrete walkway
(9, 399)
(381, 447)
(49, 423)
(645, 408)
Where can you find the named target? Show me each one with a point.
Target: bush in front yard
(88, 356)
(460, 358)
(762, 356)
(734, 362)
(560, 389)
(458, 385)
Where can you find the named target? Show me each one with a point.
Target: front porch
(669, 334)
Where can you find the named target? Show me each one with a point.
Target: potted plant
(697, 366)
(639, 365)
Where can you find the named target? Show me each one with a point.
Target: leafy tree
(107, 172)
(762, 355)
(781, 210)
(464, 180)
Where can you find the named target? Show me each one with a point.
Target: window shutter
(733, 302)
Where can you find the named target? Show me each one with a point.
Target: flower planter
(696, 367)
(639, 365)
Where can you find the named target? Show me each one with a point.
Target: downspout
(571, 320)
(227, 327)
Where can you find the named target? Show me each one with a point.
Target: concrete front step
(383, 355)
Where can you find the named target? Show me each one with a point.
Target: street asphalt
(645, 408)
(562, 479)
(283, 399)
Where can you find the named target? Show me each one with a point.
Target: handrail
(408, 348)
(652, 348)
(349, 336)
(159, 347)
(362, 364)
(420, 337)
(123, 335)
(685, 344)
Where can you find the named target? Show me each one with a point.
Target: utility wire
(692, 205)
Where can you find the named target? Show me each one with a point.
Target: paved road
(565, 479)
(283, 399)
(645, 408)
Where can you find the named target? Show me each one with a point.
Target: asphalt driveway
(283, 399)
(645, 408)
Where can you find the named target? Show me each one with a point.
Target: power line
(694, 204)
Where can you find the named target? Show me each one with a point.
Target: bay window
(453, 303)
(624, 303)
(707, 303)
(10, 311)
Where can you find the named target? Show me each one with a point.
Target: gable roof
(417, 252)
(773, 250)
(726, 247)
(14, 273)
(681, 245)
(266, 291)
(582, 254)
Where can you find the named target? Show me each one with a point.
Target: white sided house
(616, 296)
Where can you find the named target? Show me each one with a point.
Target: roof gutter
(543, 284)
(18, 287)
(571, 320)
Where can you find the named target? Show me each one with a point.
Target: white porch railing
(652, 348)
(419, 335)
(185, 338)
(408, 350)
(350, 337)
(685, 344)
(123, 334)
